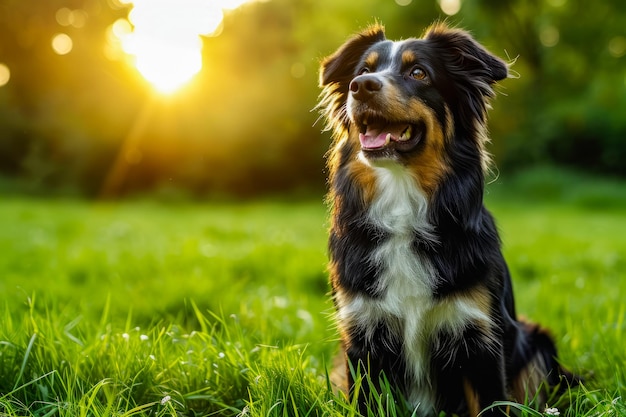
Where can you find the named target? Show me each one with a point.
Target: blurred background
(196, 99)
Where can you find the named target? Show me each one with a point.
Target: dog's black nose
(365, 86)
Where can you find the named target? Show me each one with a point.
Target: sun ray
(163, 37)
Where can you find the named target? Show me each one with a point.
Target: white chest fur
(406, 282)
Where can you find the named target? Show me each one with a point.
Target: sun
(163, 37)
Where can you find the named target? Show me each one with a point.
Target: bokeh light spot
(62, 44)
(617, 46)
(450, 7)
(64, 16)
(5, 74)
(549, 36)
(79, 18)
(403, 2)
(121, 28)
(76, 18)
(113, 47)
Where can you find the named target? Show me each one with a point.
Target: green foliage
(84, 124)
(568, 89)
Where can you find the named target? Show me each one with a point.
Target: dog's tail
(542, 375)
(557, 375)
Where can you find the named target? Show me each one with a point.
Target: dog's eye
(364, 70)
(418, 73)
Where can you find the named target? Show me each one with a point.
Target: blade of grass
(25, 360)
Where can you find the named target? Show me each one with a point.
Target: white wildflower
(126, 336)
(165, 399)
(143, 337)
(553, 411)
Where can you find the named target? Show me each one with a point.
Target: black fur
(463, 247)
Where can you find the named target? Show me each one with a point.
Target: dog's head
(407, 98)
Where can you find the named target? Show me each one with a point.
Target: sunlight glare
(165, 37)
(230, 4)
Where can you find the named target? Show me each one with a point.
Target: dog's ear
(338, 69)
(340, 66)
(463, 54)
(473, 71)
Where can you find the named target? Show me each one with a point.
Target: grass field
(142, 308)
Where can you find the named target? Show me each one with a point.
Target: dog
(422, 293)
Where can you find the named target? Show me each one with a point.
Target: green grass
(141, 308)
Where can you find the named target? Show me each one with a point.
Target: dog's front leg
(360, 379)
(365, 374)
(367, 366)
(484, 382)
(470, 373)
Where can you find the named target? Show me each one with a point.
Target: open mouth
(380, 134)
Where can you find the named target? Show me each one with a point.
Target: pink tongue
(376, 136)
(369, 141)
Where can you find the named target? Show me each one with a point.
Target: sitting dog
(422, 292)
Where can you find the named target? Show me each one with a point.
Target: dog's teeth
(388, 139)
(406, 135)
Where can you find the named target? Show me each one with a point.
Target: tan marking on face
(408, 57)
(430, 163)
(372, 60)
